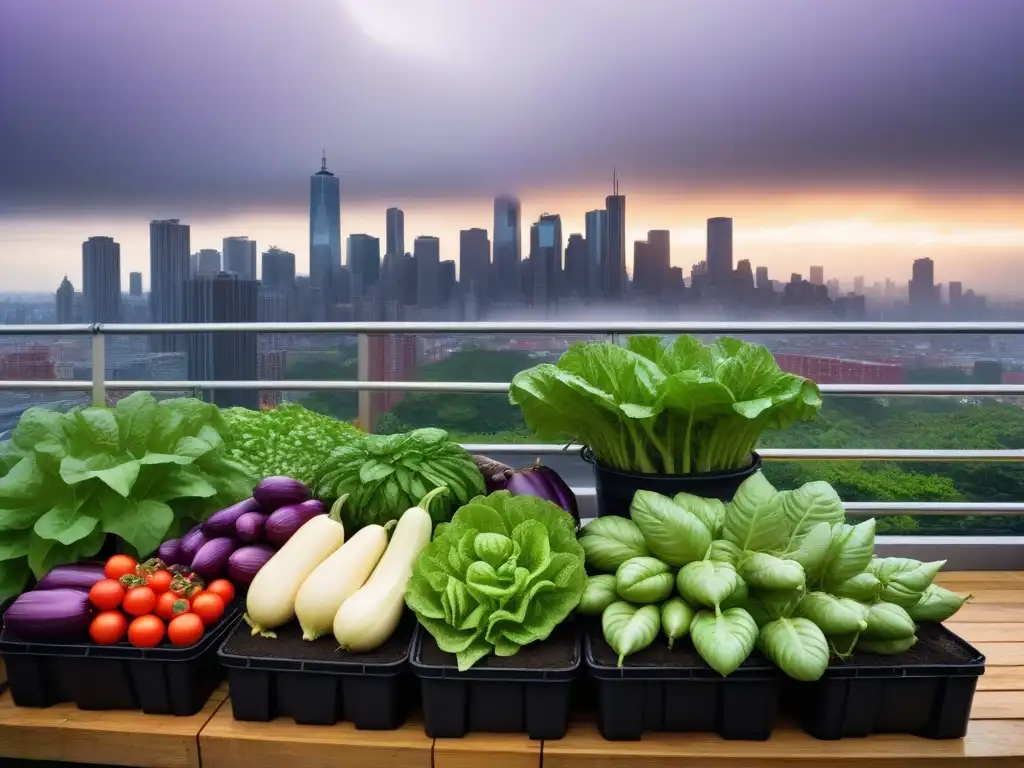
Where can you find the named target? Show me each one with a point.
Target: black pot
(615, 488)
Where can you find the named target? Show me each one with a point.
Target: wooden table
(993, 622)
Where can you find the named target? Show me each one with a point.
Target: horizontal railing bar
(546, 328)
(493, 387)
(783, 454)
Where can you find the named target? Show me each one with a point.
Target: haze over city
(830, 137)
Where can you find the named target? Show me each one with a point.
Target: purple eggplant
(245, 563)
(171, 552)
(191, 543)
(223, 523)
(249, 527)
(275, 492)
(212, 558)
(283, 524)
(544, 483)
(79, 576)
(495, 473)
(50, 614)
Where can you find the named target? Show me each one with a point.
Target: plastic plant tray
(529, 692)
(316, 683)
(165, 680)
(676, 691)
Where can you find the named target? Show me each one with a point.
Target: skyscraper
(65, 301)
(577, 268)
(719, 250)
(134, 283)
(546, 258)
(101, 280)
(762, 281)
(395, 240)
(597, 250)
(659, 254)
(858, 285)
(363, 263)
(278, 272)
(427, 253)
(223, 298)
(817, 275)
(168, 270)
(207, 262)
(923, 293)
(475, 263)
(239, 257)
(507, 244)
(324, 228)
(615, 255)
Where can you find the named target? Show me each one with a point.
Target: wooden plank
(229, 743)
(989, 613)
(980, 577)
(1002, 654)
(998, 705)
(988, 743)
(998, 596)
(1002, 679)
(116, 737)
(495, 750)
(982, 632)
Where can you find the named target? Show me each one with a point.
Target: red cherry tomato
(139, 601)
(208, 607)
(169, 605)
(146, 632)
(186, 629)
(106, 594)
(118, 566)
(159, 581)
(224, 588)
(108, 627)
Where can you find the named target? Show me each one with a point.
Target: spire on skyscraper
(323, 159)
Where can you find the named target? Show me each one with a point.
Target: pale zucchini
(271, 599)
(336, 579)
(370, 616)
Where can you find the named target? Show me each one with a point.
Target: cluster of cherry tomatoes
(149, 601)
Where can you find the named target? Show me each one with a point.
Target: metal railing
(98, 385)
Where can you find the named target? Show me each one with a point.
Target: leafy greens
(142, 470)
(683, 408)
(502, 574)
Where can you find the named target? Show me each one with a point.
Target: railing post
(363, 374)
(99, 367)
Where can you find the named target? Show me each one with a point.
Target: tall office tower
(719, 250)
(956, 293)
(65, 301)
(475, 263)
(134, 283)
(208, 262)
(239, 257)
(101, 280)
(427, 253)
(223, 298)
(278, 272)
(363, 263)
(546, 258)
(659, 255)
(643, 280)
(923, 293)
(168, 270)
(447, 281)
(597, 250)
(395, 240)
(507, 246)
(858, 285)
(324, 228)
(577, 268)
(615, 257)
(744, 274)
(817, 276)
(762, 282)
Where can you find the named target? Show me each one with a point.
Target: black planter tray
(676, 691)
(526, 693)
(316, 683)
(166, 680)
(927, 691)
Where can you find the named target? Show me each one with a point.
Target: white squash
(336, 579)
(271, 599)
(370, 616)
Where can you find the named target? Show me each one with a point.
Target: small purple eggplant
(223, 523)
(245, 563)
(191, 543)
(171, 552)
(212, 558)
(50, 614)
(283, 523)
(249, 527)
(543, 482)
(78, 576)
(272, 493)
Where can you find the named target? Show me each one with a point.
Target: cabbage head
(503, 573)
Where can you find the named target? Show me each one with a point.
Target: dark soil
(560, 651)
(289, 646)
(682, 656)
(935, 646)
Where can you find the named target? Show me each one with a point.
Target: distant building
(168, 271)
(475, 263)
(577, 267)
(507, 246)
(817, 276)
(240, 257)
(614, 272)
(858, 285)
(278, 272)
(223, 298)
(719, 250)
(324, 228)
(427, 253)
(761, 280)
(829, 370)
(363, 261)
(208, 262)
(134, 283)
(101, 280)
(447, 281)
(65, 301)
(596, 234)
(923, 294)
(395, 240)
(546, 258)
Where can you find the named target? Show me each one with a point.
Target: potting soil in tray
(927, 691)
(528, 693)
(165, 680)
(317, 683)
(661, 690)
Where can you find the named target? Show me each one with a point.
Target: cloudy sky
(858, 134)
